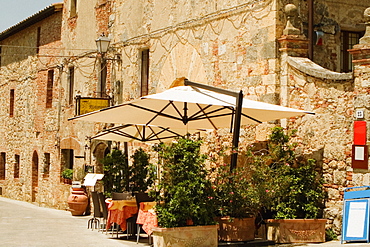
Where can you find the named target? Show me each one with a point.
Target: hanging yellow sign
(92, 104)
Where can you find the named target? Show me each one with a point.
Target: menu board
(91, 178)
(356, 220)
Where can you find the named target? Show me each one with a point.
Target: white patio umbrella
(140, 132)
(187, 107)
(196, 106)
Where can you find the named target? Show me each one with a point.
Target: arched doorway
(35, 175)
(100, 150)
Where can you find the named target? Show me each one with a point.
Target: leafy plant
(142, 172)
(291, 186)
(330, 235)
(235, 194)
(184, 192)
(116, 172)
(67, 174)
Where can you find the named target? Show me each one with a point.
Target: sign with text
(86, 105)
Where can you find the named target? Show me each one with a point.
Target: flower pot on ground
(186, 236)
(293, 189)
(77, 201)
(235, 229)
(238, 202)
(296, 230)
(184, 193)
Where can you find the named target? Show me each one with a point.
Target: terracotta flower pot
(200, 236)
(77, 201)
(296, 230)
(236, 229)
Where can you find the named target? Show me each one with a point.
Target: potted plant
(67, 175)
(238, 202)
(293, 194)
(184, 197)
(116, 172)
(141, 172)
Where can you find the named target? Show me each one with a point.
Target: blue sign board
(356, 214)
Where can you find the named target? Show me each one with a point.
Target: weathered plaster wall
(231, 45)
(33, 128)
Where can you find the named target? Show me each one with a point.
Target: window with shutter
(49, 89)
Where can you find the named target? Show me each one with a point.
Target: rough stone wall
(229, 44)
(33, 128)
(326, 136)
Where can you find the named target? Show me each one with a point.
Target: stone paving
(24, 224)
(27, 225)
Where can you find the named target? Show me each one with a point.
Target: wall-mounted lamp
(102, 43)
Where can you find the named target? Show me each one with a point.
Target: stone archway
(182, 61)
(35, 175)
(99, 152)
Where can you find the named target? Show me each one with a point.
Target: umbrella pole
(236, 131)
(238, 115)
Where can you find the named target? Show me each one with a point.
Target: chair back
(120, 196)
(97, 209)
(103, 205)
(143, 197)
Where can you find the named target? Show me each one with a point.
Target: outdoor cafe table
(147, 217)
(119, 211)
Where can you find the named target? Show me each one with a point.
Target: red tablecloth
(147, 217)
(120, 211)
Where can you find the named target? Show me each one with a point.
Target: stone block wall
(32, 130)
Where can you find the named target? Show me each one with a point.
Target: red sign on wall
(359, 133)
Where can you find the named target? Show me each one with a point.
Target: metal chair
(120, 195)
(94, 222)
(104, 210)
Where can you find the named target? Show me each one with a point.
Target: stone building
(293, 53)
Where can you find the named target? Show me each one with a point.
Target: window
(71, 82)
(103, 79)
(38, 40)
(16, 165)
(67, 159)
(46, 168)
(73, 8)
(144, 72)
(49, 89)
(2, 165)
(11, 103)
(348, 40)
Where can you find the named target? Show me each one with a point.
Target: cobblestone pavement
(24, 224)
(27, 225)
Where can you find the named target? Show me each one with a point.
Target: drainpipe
(310, 28)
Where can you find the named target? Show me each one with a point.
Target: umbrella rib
(205, 114)
(158, 113)
(256, 120)
(213, 111)
(142, 135)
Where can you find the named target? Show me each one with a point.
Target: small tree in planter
(142, 172)
(184, 195)
(291, 189)
(238, 202)
(116, 172)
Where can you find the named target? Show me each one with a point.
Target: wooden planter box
(236, 229)
(296, 230)
(200, 236)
